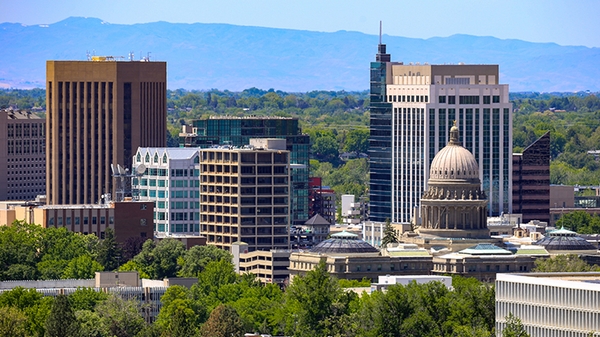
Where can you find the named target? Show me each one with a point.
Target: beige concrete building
(348, 257)
(127, 219)
(98, 114)
(550, 304)
(22, 155)
(484, 262)
(245, 195)
(269, 266)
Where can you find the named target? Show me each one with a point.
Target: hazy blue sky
(574, 22)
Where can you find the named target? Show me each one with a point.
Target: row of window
(77, 220)
(408, 98)
(468, 99)
(26, 130)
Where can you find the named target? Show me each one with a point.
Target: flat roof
(582, 280)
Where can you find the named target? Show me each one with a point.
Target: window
(142, 222)
(486, 99)
(451, 99)
(496, 99)
(94, 220)
(143, 206)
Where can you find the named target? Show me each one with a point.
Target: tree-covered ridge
(338, 121)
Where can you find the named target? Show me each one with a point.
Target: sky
(573, 22)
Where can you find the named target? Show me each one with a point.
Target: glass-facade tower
(237, 131)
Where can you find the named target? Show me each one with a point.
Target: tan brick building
(22, 155)
(99, 113)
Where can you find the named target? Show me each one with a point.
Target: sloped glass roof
(344, 242)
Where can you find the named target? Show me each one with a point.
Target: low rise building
(348, 257)
(269, 266)
(550, 304)
(126, 218)
(484, 262)
(127, 285)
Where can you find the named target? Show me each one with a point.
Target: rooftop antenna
(380, 29)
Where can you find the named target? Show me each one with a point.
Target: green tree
(563, 263)
(180, 318)
(310, 302)
(134, 266)
(389, 234)
(86, 298)
(197, 257)
(90, 324)
(179, 312)
(109, 252)
(81, 267)
(121, 317)
(223, 321)
(62, 322)
(514, 327)
(357, 140)
(160, 260)
(326, 148)
(12, 322)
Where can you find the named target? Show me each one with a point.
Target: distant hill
(205, 56)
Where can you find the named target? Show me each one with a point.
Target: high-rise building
(412, 109)
(237, 131)
(172, 180)
(531, 181)
(22, 155)
(98, 114)
(245, 195)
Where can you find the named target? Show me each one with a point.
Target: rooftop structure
(562, 241)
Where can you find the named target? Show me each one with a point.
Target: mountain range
(204, 56)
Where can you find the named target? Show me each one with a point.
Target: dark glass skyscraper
(380, 140)
(237, 131)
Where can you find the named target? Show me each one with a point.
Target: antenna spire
(380, 29)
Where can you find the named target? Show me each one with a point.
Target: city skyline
(534, 21)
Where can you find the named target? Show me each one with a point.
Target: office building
(550, 304)
(531, 181)
(22, 155)
(172, 181)
(127, 218)
(237, 131)
(412, 109)
(98, 114)
(245, 195)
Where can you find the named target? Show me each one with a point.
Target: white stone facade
(550, 304)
